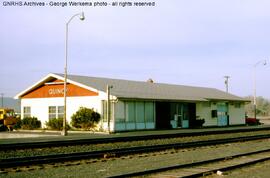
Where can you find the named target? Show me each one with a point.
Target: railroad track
(203, 168)
(73, 142)
(25, 161)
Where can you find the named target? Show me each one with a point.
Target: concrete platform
(43, 135)
(10, 135)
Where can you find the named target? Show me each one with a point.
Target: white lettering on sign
(56, 91)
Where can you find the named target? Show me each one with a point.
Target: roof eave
(35, 85)
(160, 99)
(230, 100)
(48, 77)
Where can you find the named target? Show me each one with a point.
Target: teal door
(222, 110)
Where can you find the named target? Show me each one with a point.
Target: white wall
(40, 106)
(40, 109)
(237, 115)
(205, 113)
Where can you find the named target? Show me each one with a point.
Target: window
(206, 104)
(120, 112)
(130, 111)
(104, 110)
(140, 112)
(60, 112)
(149, 112)
(52, 112)
(26, 111)
(237, 105)
(56, 112)
(214, 113)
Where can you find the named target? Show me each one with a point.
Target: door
(182, 115)
(222, 110)
(163, 115)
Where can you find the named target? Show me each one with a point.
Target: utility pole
(227, 83)
(2, 100)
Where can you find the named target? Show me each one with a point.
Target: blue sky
(186, 42)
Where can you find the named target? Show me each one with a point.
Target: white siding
(40, 106)
(205, 113)
(237, 115)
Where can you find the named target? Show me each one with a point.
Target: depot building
(134, 105)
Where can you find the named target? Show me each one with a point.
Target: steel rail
(54, 158)
(169, 168)
(72, 142)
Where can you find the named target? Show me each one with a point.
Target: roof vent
(150, 80)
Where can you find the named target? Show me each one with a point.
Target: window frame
(54, 112)
(26, 111)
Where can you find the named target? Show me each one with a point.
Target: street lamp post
(81, 15)
(254, 86)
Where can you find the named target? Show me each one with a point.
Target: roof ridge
(143, 82)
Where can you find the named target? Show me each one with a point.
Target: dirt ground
(260, 170)
(265, 120)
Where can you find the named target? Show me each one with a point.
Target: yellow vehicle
(7, 118)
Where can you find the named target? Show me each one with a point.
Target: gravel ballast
(116, 166)
(96, 147)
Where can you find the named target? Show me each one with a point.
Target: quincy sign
(56, 91)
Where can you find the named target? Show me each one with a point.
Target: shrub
(18, 125)
(85, 118)
(56, 124)
(29, 123)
